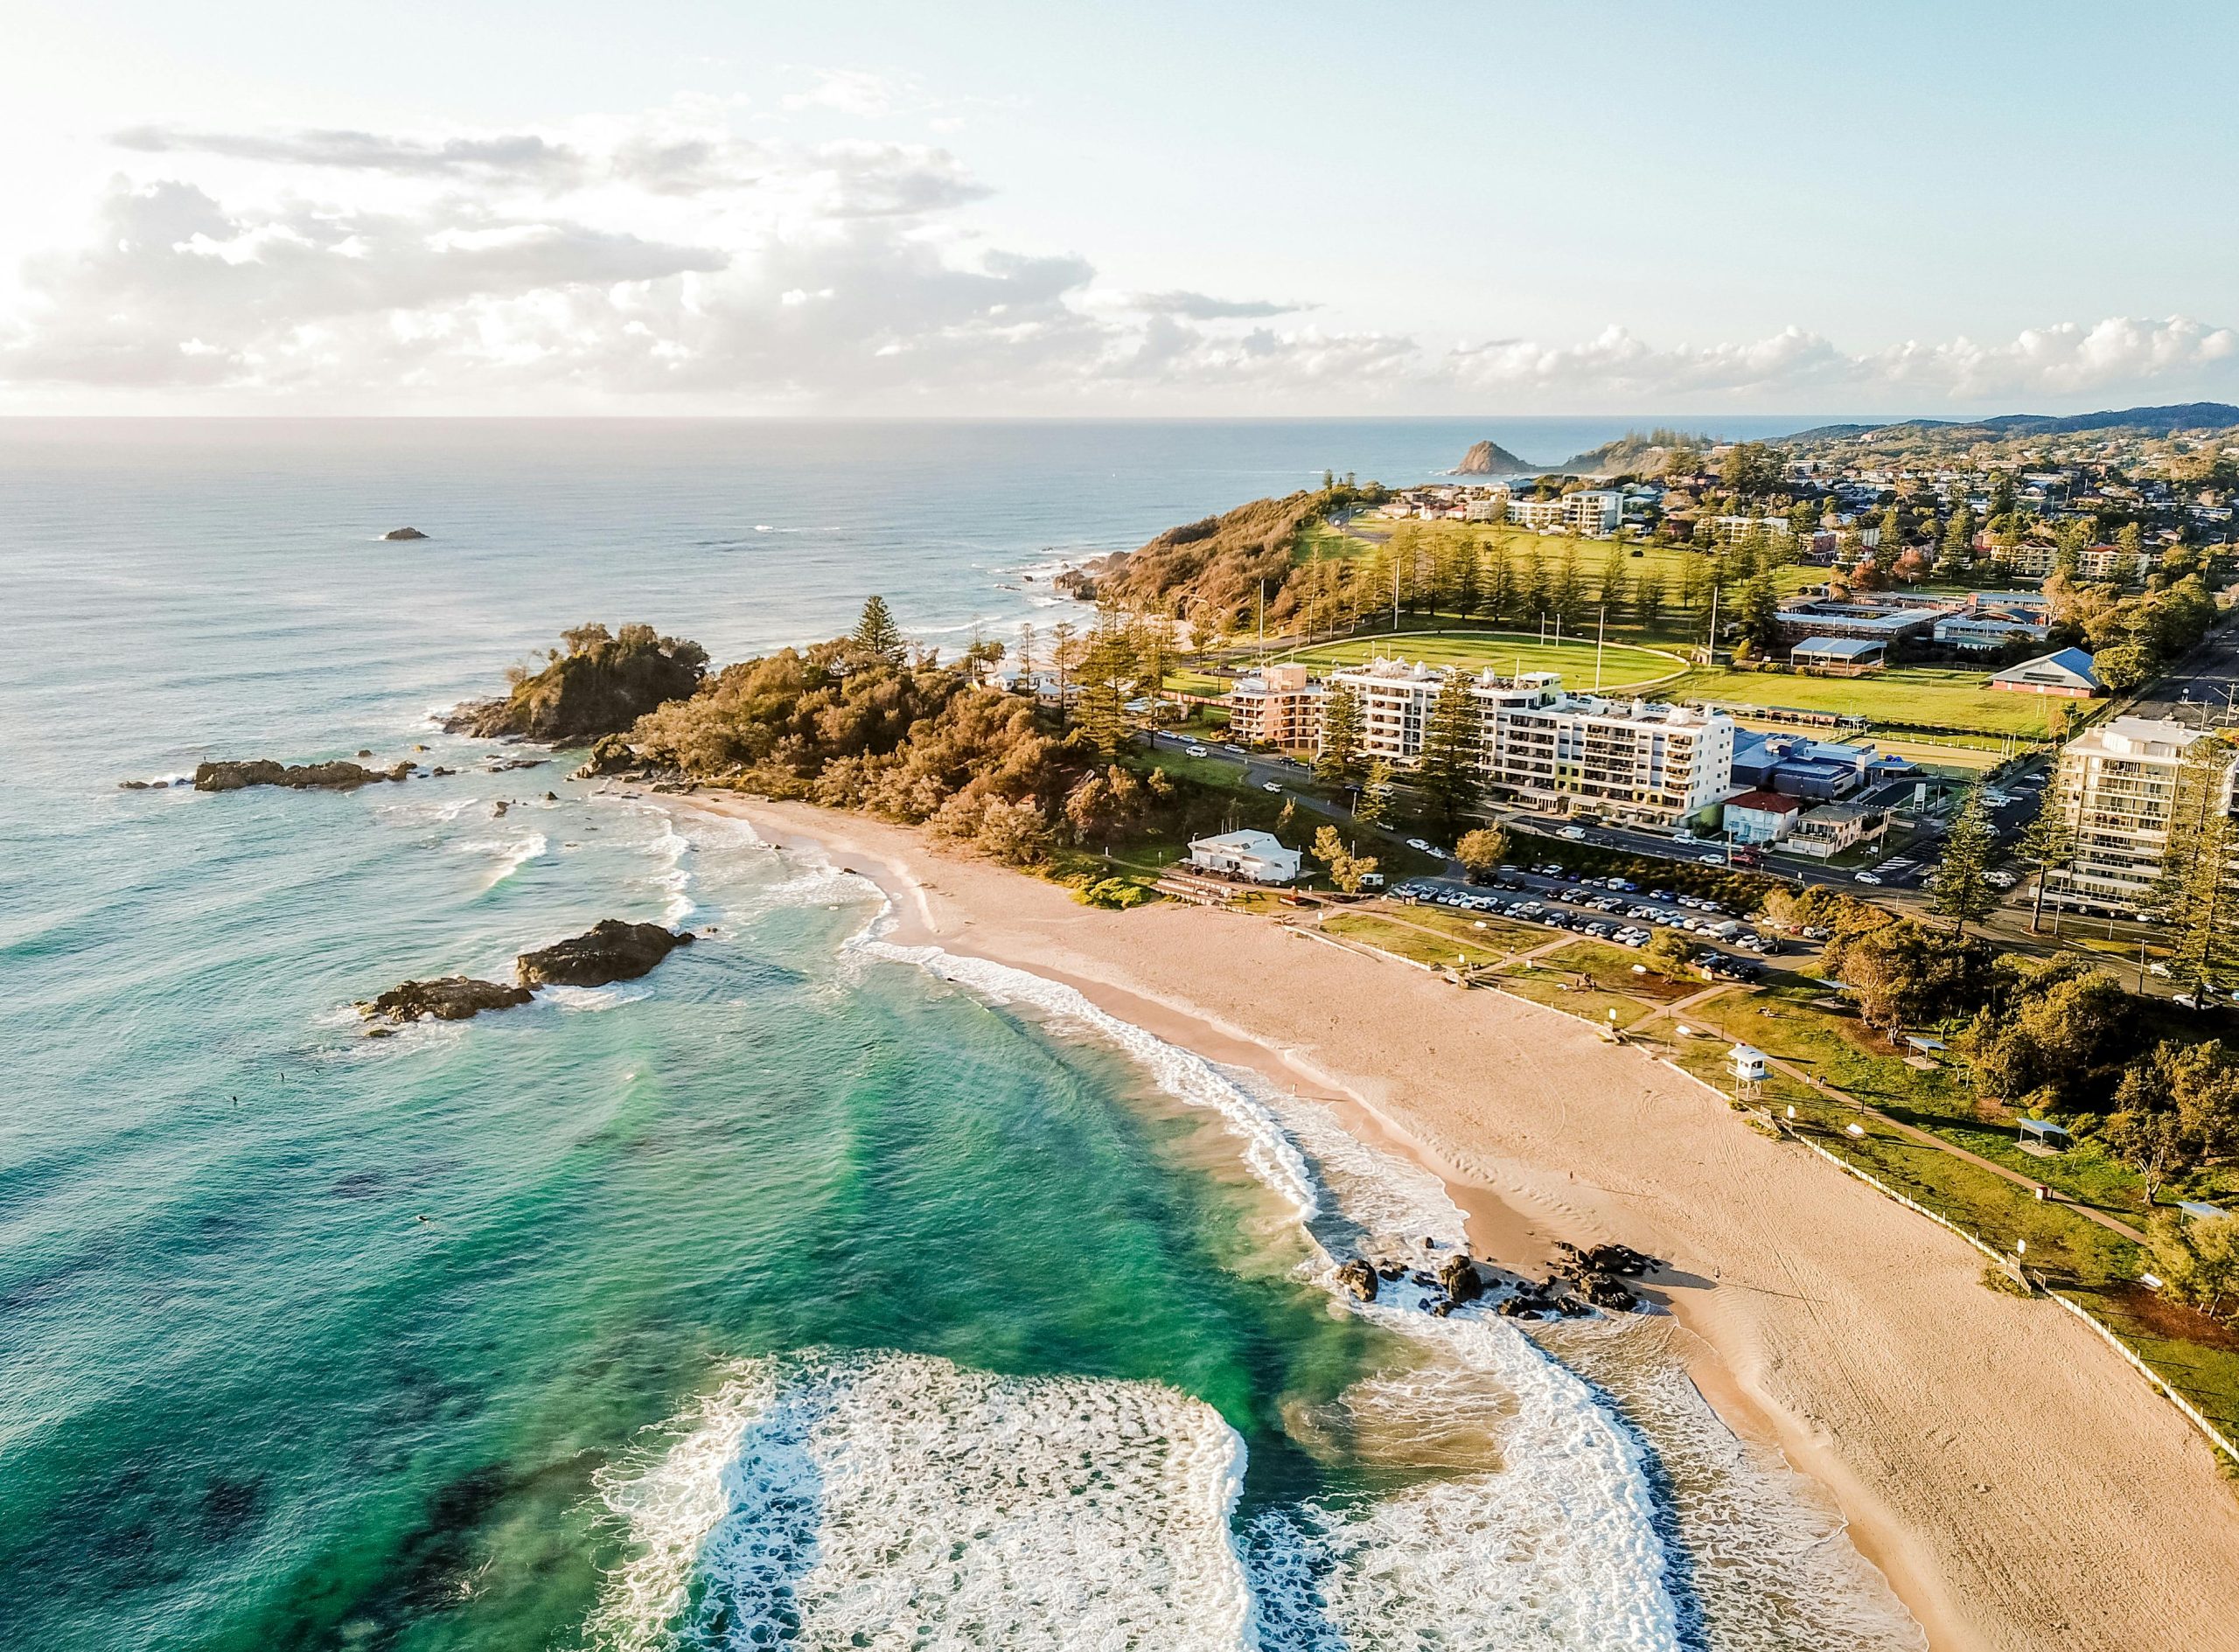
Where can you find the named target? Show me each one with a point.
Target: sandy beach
(2018, 1485)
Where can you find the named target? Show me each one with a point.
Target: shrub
(1115, 893)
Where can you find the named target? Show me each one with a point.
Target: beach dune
(2020, 1485)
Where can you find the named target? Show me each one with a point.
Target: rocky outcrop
(1358, 1280)
(1459, 1278)
(1490, 458)
(611, 754)
(609, 951)
(449, 997)
(1598, 1275)
(601, 685)
(263, 771)
(404, 533)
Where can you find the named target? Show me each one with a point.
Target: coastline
(1816, 1316)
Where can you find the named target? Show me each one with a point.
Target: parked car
(1195, 751)
(1419, 845)
(1271, 785)
(1575, 834)
(1866, 877)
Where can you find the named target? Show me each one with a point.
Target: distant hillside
(1638, 453)
(2184, 415)
(1490, 458)
(1217, 563)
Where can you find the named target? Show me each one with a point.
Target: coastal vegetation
(599, 682)
(860, 723)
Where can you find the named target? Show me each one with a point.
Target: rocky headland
(601, 684)
(1490, 458)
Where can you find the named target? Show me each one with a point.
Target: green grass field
(1622, 664)
(1934, 696)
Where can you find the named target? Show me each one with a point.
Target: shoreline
(1780, 1366)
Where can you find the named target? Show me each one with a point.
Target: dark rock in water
(263, 771)
(449, 997)
(133, 785)
(1440, 1310)
(404, 533)
(381, 1032)
(1390, 1270)
(499, 765)
(366, 754)
(609, 951)
(552, 796)
(439, 772)
(1358, 1278)
(1459, 1277)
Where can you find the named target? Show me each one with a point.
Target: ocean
(809, 1291)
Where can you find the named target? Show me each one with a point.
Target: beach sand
(2020, 1487)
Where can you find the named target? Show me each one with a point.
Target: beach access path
(2021, 1486)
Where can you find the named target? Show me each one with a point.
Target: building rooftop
(1768, 802)
(2136, 738)
(1838, 647)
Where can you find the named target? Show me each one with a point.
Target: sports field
(1623, 664)
(1924, 696)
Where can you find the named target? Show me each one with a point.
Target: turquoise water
(804, 1293)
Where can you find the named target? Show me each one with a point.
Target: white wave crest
(896, 1500)
(586, 999)
(513, 854)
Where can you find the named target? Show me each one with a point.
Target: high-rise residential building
(2117, 788)
(1277, 706)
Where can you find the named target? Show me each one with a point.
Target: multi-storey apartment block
(1279, 705)
(1549, 749)
(2117, 789)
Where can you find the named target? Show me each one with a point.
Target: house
(2066, 672)
(1760, 817)
(1797, 766)
(1832, 827)
(1840, 655)
(1256, 857)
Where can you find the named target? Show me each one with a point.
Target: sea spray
(886, 1499)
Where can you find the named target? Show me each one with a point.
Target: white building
(1256, 857)
(1553, 750)
(2117, 789)
(1592, 511)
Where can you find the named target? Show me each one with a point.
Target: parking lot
(1618, 910)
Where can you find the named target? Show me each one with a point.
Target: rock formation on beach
(601, 685)
(449, 997)
(264, 772)
(1490, 458)
(609, 951)
(1459, 1278)
(1358, 1278)
(404, 533)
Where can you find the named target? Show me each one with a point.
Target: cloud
(1195, 306)
(663, 259)
(521, 156)
(850, 92)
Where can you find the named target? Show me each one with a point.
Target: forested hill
(1638, 453)
(2184, 415)
(1217, 565)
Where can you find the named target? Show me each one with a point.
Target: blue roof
(1840, 647)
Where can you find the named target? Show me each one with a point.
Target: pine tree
(1448, 769)
(1375, 805)
(1500, 582)
(1336, 761)
(2197, 891)
(876, 633)
(1564, 595)
(2049, 842)
(1649, 599)
(1468, 591)
(1062, 656)
(1963, 891)
(1531, 587)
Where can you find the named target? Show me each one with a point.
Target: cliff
(1490, 458)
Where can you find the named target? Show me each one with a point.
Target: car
(1683, 836)
(2000, 880)
(1712, 860)
(1866, 877)
(1195, 751)
(1575, 834)
(1271, 785)
(2157, 968)
(1419, 845)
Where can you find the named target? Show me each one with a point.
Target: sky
(990, 208)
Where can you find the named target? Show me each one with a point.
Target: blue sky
(1128, 208)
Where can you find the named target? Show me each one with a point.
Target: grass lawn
(1472, 930)
(1936, 696)
(1410, 943)
(1195, 682)
(1623, 664)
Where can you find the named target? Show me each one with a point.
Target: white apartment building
(1594, 511)
(1632, 759)
(1279, 705)
(2117, 788)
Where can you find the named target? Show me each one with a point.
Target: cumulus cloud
(1195, 306)
(668, 255)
